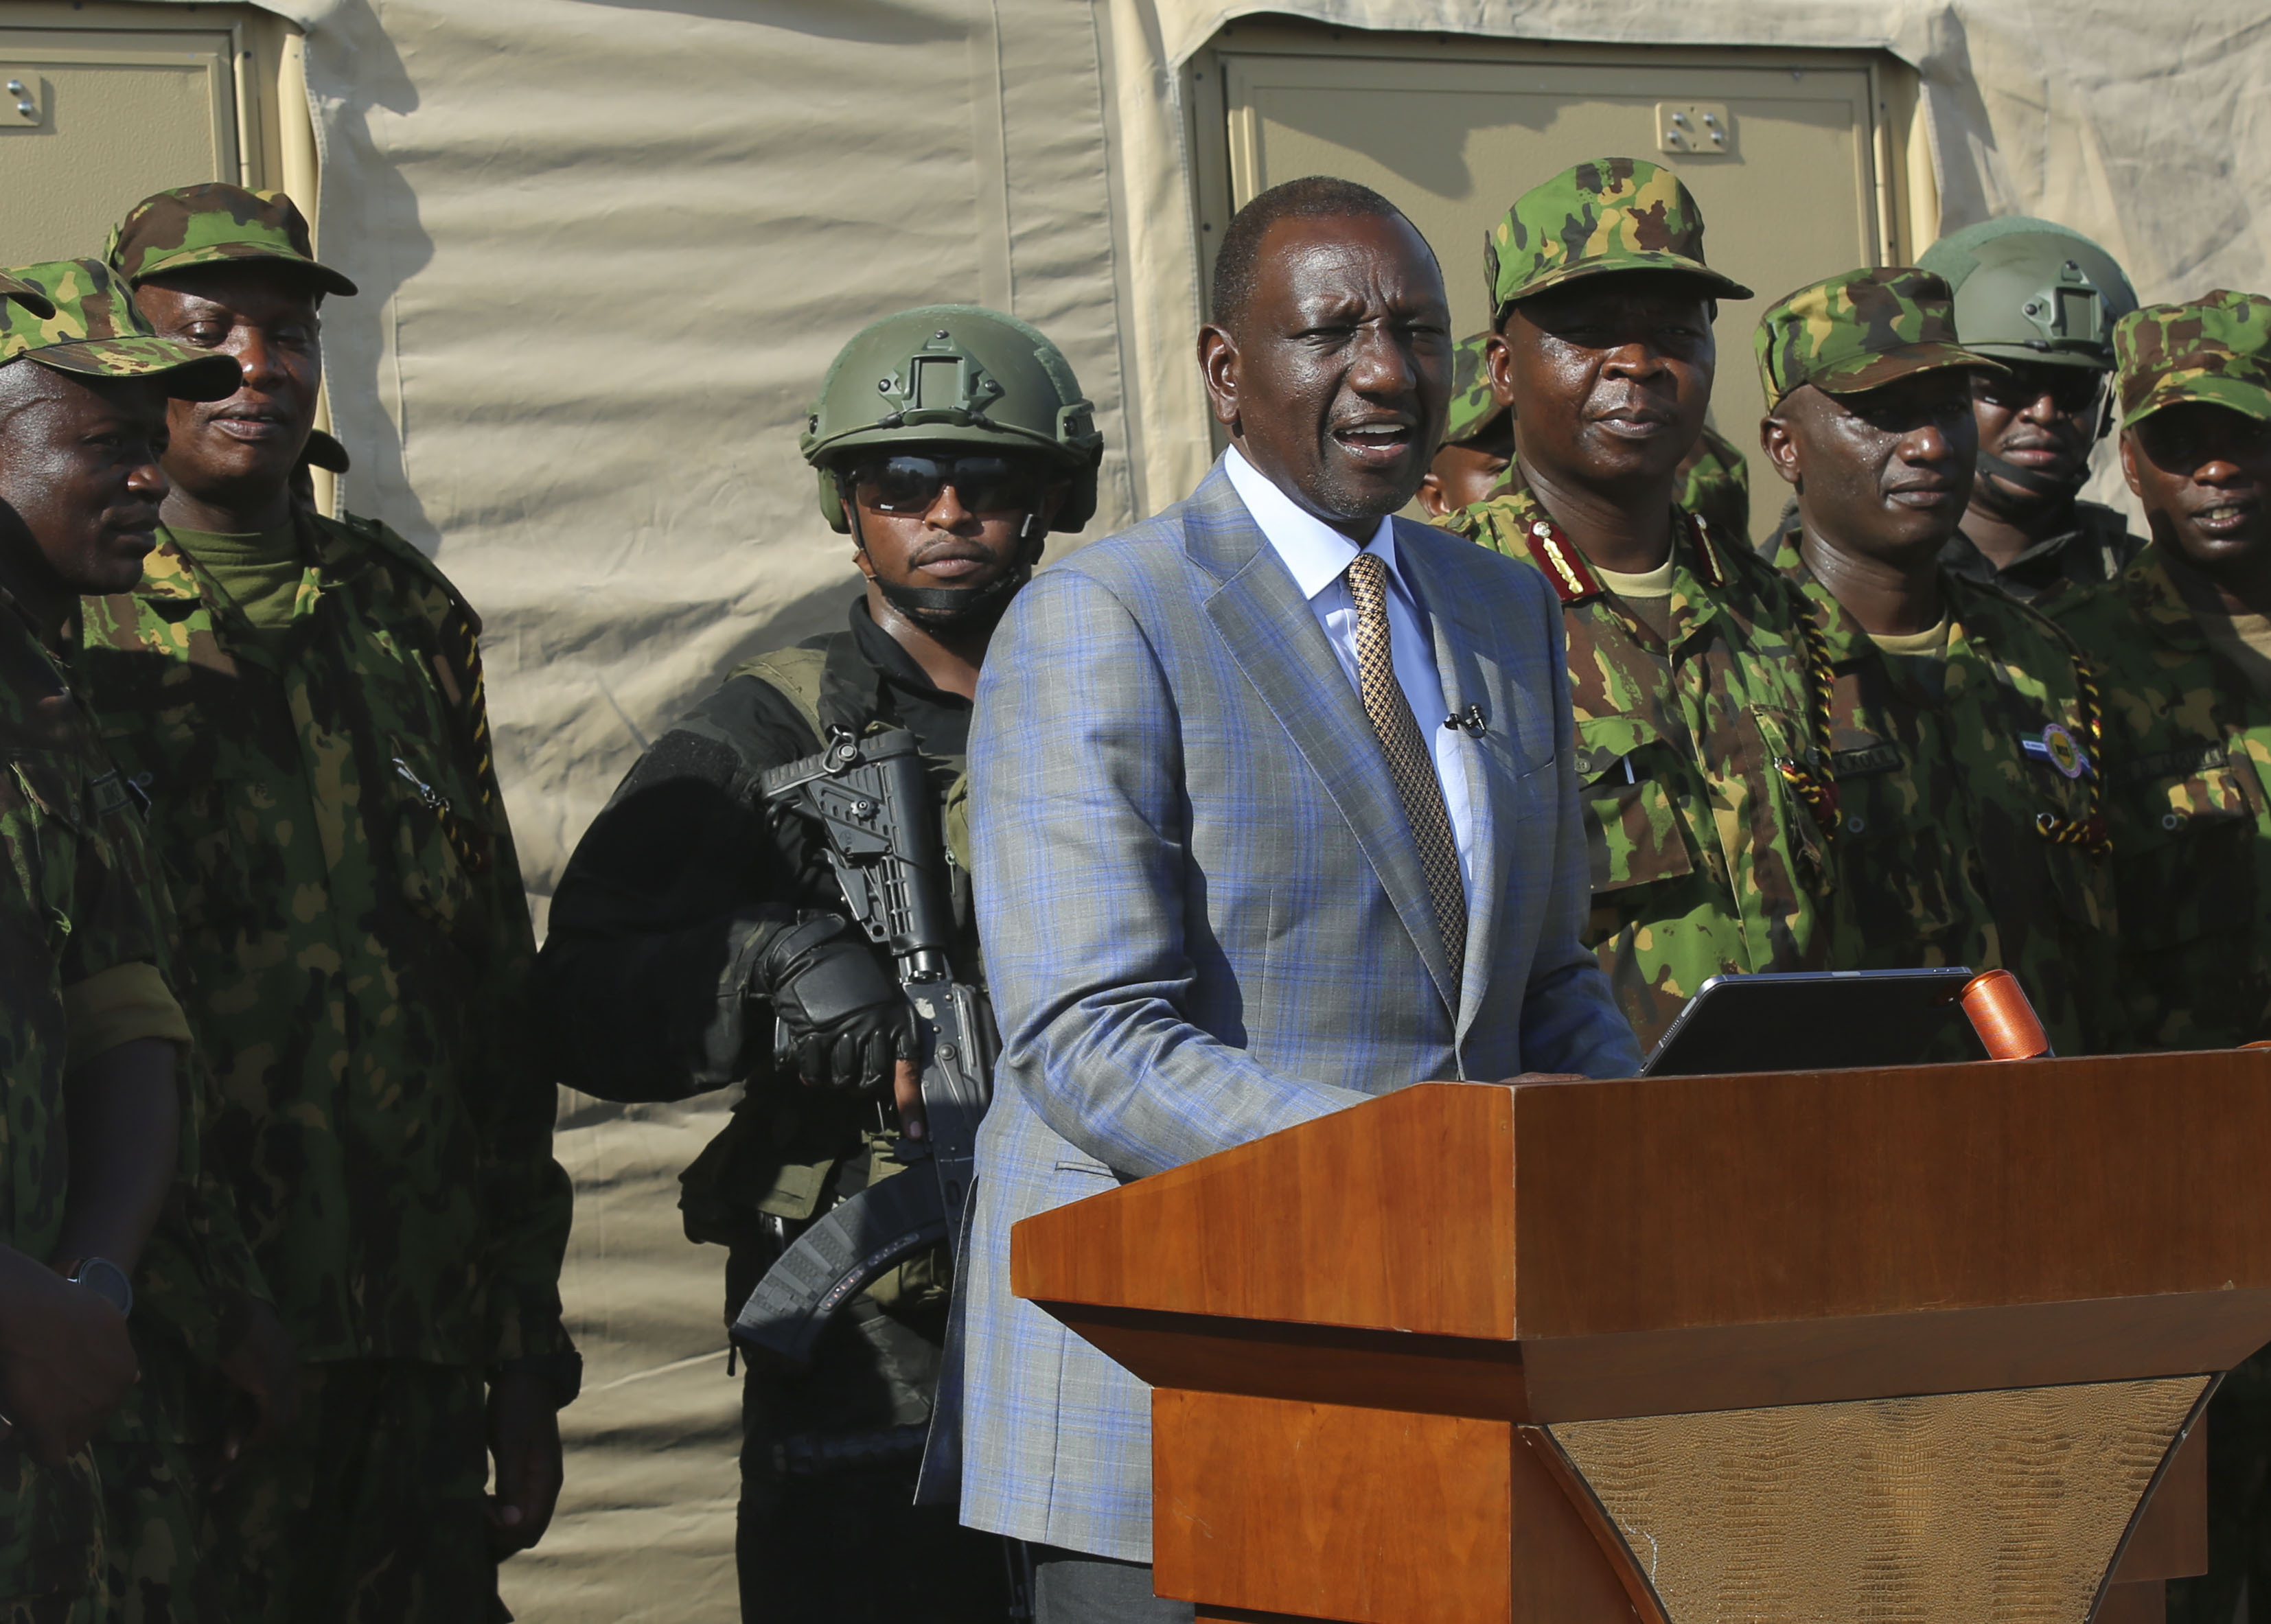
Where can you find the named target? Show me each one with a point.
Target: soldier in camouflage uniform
(691, 917)
(1966, 727)
(2180, 636)
(1477, 445)
(2043, 300)
(2184, 635)
(301, 698)
(91, 1032)
(1699, 743)
(201, 1321)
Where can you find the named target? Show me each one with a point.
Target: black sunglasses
(913, 484)
(2073, 390)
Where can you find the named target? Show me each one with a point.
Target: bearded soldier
(949, 440)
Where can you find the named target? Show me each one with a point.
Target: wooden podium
(1921, 1343)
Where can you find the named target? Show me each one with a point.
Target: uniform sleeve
(526, 1199)
(666, 904)
(223, 1273)
(122, 1005)
(1570, 1022)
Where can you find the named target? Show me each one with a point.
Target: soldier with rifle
(703, 937)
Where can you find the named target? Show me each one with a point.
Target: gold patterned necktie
(1410, 763)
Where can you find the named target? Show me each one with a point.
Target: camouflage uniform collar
(1846, 639)
(2158, 598)
(1840, 634)
(16, 610)
(171, 574)
(1564, 565)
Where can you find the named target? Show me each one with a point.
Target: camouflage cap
(214, 224)
(1603, 215)
(94, 329)
(24, 294)
(1473, 407)
(2215, 350)
(1860, 330)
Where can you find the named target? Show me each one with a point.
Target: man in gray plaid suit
(1273, 810)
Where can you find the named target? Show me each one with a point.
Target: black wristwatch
(105, 1278)
(563, 1371)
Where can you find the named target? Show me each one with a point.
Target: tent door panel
(121, 115)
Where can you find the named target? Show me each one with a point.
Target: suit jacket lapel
(1273, 635)
(1461, 633)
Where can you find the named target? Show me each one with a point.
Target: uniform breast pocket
(220, 858)
(1633, 833)
(2183, 855)
(1893, 862)
(1774, 749)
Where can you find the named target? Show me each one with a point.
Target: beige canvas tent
(606, 248)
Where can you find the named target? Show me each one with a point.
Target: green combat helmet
(1603, 215)
(215, 224)
(960, 376)
(1858, 330)
(2031, 290)
(94, 330)
(2215, 350)
(1473, 407)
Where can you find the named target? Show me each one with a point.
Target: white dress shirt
(1318, 556)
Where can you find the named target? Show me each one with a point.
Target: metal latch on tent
(20, 106)
(1693, 127)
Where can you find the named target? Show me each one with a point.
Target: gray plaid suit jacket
(1205, 920)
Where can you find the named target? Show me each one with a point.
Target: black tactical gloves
(847, 1019)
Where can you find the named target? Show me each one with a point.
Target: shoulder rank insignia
(1564, 565)
(1708, 563)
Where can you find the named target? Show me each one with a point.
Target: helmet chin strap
(955, 608)
(2034, 482)
(958, 608)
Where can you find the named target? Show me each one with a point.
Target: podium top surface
(1607, 1208)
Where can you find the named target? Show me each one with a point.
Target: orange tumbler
(2004, 1021)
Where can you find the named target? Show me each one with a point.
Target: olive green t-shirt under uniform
(1921, 655)
(260, 569)
(1648, 594)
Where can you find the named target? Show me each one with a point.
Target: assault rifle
(871, 799)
